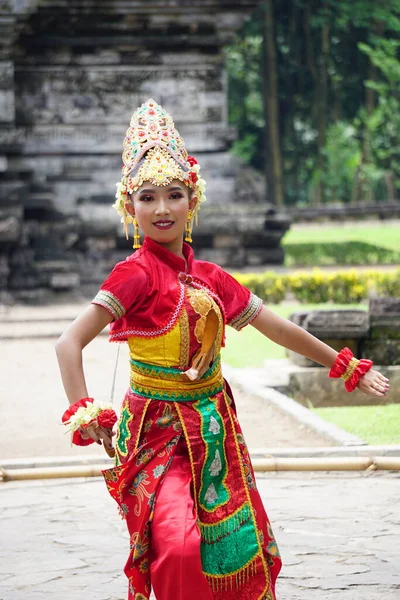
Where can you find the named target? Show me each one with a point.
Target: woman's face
(162, 212)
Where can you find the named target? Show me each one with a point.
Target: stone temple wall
(71, 74)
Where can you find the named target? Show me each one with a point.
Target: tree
(272, 148)
(330, 86)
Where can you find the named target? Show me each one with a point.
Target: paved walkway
(338, 535)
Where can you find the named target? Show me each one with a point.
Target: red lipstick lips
(163, 225)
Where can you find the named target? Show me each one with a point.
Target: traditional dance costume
(183, 480)
(183, 477)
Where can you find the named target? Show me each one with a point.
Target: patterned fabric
(180, 322)
(238, 550)
(110, 303)
(151, 287)
(159, 383)
(248, 314)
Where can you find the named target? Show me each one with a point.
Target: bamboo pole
(387, 463)
(345, 463)
(52, 472)
(349, 463)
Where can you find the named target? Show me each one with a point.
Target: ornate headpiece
(152, 135)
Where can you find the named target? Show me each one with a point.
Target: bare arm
(291, 336)
(70, 345)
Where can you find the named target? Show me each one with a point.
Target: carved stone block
(382, 352)
(234, 257)
(64, 281)
(256, 257)
(77, 75)
(385, 318)
(336, 344)
(10, 230)
(313, 386)
(384, 307)
(334, 324)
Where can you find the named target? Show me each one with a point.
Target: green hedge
(340, 253)
(342, 287)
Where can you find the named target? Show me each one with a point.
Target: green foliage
(268, 286)
(385, 234)
(342, 287)
(248, 348)
(383, 124)
(339, 142)
(340, 253)
(343, 158)
(374, 424)
(313, 287)
(387, 285)
(339, 288)
(245, 98)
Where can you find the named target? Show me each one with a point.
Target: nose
(162, 206)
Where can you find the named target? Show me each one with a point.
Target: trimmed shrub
(268, 286)
(388, 284)
(342, 287)
(340, 253)
(310, 288)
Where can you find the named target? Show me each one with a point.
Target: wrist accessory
(349, 368)
(87, 412)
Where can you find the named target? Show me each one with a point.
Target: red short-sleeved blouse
(145, 293)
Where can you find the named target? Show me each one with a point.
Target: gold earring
(188, 228)
(136, 236)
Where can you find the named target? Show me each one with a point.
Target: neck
(175, 246)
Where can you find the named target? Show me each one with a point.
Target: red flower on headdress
(192, 161)
(193, 177)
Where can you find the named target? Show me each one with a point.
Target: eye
(146, 198)
(176, 195)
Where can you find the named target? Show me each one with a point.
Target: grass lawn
(249, 348)
(386, 234)
(374, 424)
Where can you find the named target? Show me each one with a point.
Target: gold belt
(161, 383)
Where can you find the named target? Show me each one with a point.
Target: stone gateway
(70, 74)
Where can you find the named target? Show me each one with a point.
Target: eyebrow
(170, 189)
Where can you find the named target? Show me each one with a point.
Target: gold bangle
(351, 367)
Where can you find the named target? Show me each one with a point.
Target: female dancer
(183, 478)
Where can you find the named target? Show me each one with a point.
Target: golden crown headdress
(152, 136)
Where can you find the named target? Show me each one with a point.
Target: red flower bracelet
(77, 438)
(83, 413)
(349, 368)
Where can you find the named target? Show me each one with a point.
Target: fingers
(98, 434)
(379, 390)
(106, 436)
(89, 432)
(380, 384)
(374, 383)
(383, 380)
(110, 451)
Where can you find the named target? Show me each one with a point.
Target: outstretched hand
(374, 384)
